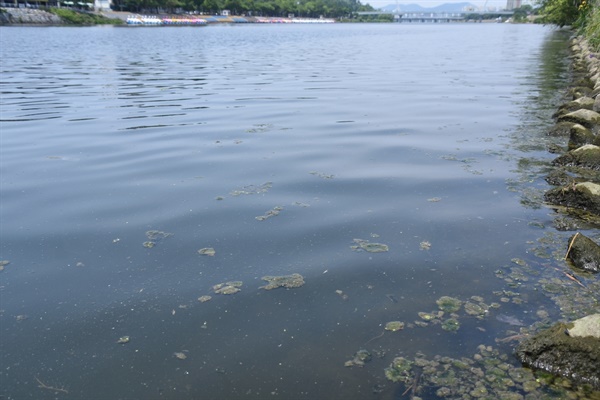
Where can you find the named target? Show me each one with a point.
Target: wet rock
(587, 156)
(578, 104)
(585, 196)
(559, 352)
(596, 106)
(580, 91)
(579, 136)
(584, 253)
(559, 177)
(562, 128)
(588, 118)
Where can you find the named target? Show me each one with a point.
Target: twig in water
(513, 337)
(414, 386)
(573, 278)
(376, 337)
(44, 386)
(571, 245)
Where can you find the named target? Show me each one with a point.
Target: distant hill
(447, 7)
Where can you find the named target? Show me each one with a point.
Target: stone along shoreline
(572, 349)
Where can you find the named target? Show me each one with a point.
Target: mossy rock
(580, 91)
(588, 118)
(585, 196)
(559, 177)
(580, 136)
(587, 156)
(557, 352)
(562, 128)
(585, 102)
(584, 253)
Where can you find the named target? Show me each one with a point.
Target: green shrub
(73, 17)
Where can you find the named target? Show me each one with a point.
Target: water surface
(400, 135)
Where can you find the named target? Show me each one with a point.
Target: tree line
(273, 8)
(582, 15)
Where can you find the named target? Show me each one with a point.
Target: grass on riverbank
(591, 26)
(73, 17)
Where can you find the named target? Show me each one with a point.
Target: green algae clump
(394, 326)
(399, 370)
(449, 304)
(286, 281)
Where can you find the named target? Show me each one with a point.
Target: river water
(392, 134)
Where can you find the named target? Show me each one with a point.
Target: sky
(500, 4)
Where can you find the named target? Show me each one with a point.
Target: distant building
(102, 5)
(512, 4)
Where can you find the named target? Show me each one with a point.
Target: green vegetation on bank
(73, 17)
(582, 15)
(274, 8)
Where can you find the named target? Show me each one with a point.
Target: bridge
(407, 16)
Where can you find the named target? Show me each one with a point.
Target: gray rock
(588, 118)
(561, 129)
(557, 352)
(581, 103)
(580, 135)
(586, 326)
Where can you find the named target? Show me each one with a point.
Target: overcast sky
(432, 3)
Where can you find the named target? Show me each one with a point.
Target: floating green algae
(286, 281)
(207, 251)
(231, 287)
(365, 245)
(394, 326)
(449, 304)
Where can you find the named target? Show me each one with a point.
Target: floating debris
(434, 199)
(424, 245)
(180, 355)
(360, 358)
(322, 175)
(123, 340)
(300, 204)
(231, 287)
(394, 326)
(149, 244)
(259, 128)
(204, 299)
(449, 304)
(207, 251)
(286, 281)
(343, 295)
(514, 321)
(3, 263)
(271, 213)
(365, 245)
(22, 317)
(252, 189)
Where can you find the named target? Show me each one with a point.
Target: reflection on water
(260, 151)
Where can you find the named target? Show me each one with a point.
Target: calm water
(395, 134)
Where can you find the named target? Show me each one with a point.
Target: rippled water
(395, 134)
